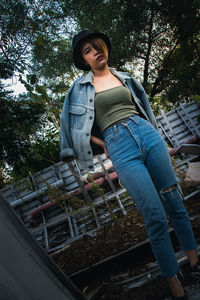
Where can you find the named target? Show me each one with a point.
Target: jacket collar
(86, 78)
(89, 76)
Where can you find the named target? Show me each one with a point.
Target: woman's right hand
(105, 151)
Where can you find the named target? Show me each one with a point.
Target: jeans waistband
(113, 128)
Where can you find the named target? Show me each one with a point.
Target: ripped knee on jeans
(170, 188)
(172, 198)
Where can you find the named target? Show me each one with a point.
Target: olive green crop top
(112, 106)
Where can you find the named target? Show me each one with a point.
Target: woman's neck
(104, 79)
(104, 72)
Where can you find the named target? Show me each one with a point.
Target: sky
(15, 85)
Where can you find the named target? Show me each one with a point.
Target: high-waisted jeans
(140, 158)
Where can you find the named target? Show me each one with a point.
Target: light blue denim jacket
(78, 115)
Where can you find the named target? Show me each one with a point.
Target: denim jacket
(78, 114)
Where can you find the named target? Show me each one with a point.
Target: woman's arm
(100, 143)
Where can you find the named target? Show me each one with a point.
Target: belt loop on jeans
(133, 119)
(115, 128)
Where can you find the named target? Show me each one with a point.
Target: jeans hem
(172, 274)
(191, 248)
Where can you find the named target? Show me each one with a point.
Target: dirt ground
(123, 233)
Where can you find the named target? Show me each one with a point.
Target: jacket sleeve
(66, 148)
(145, 102)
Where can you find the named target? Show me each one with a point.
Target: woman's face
(93, 56)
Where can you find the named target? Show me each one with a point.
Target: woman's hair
(98, 44)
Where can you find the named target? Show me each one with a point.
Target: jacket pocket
(77, 115)
(77, 110)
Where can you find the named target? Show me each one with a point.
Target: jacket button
(91, 118)
(91, 100)
(87, 134)
(89, 152)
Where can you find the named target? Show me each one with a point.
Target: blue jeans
(140, 158)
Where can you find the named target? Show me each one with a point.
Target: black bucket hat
(77, 42)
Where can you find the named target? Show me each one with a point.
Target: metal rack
(35, 198)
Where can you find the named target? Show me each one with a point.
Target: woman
(110, 109)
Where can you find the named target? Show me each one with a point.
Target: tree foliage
(28, 140)
(145, 35)
(182, 75)
(13, 37)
